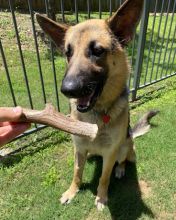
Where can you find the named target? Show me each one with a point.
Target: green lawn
(7, 34)
(33, 178)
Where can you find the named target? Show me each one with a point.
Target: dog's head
(97, 66)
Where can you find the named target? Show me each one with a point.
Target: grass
(164, 59)
(159, 58)
(33, 178)
(30, 59)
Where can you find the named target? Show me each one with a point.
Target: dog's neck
(102, 115)
(105, 109)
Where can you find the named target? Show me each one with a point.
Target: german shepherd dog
(95, 83)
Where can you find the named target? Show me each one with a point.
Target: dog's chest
(112, 128)
(109, 134)
(102, 142)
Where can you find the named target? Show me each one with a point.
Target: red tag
(106, 118)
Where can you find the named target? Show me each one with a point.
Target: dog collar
(106, 118)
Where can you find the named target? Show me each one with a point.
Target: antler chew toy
(49, 116)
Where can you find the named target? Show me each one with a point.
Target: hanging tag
(106, 118)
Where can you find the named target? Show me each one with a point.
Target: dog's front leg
(79, 162)
(102, 191)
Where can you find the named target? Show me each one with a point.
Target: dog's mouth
(92, 92)
(84, 90)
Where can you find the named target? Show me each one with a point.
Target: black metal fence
(69, 5)
(31, 69)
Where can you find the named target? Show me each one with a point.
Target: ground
(159, 58)
(33, 177)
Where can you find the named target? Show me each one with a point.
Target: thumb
(10, 114)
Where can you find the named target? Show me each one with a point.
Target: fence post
(7, 74)
(62, 10)
(140, 48)
(51, 9)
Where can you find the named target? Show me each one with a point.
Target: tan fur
(112, 141)
(80, 36)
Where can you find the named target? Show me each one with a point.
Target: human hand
(9, 128)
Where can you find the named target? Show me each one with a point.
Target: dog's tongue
(85, 101)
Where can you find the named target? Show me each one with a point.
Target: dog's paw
(68, 196)
(119, 171)
(100, 203)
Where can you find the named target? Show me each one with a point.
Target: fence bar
(169, 57)
(132, 57)
(62, 10)
(7, 74)
(173, 61)
(40, 127)
(151, 39)
(76, 11)
(167, 43)
(37, 50)
(53, 64)
(162, 42)
(133, 49)
(141, 46)
(155, 81)
(100, 12)
(110, 7)
(88, 8)
(21, 53)
(55, 78)
(158, 31)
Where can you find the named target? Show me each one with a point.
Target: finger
(2, 124)
(10, 114)
(6, 123)
(8, 133)
(12, 127)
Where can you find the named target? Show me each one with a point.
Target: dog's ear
(53, 29)
(125, 20)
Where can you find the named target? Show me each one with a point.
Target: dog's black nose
(74, 87)
(69, 87)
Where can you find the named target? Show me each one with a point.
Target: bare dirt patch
(166, 216)
(24, 26)
(145, 188)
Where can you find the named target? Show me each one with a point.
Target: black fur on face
(85, 81)
(86, 87)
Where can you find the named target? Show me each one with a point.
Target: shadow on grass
(125, 201)
(31, 147)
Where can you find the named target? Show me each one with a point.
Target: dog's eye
(69, 52)
(98, 51)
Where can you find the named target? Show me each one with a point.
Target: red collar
(106, 118)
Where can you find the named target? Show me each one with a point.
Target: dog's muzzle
(85, 91)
